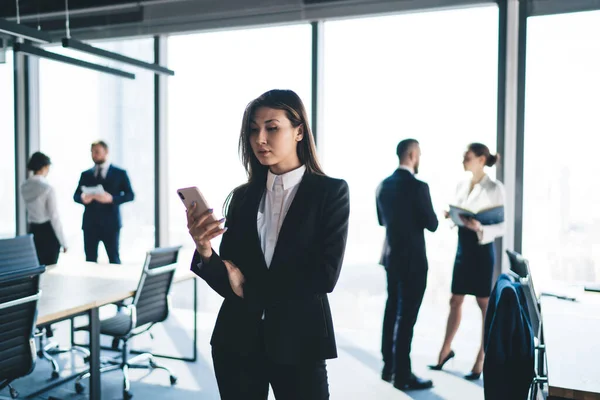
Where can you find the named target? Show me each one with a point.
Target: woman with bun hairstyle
(42, 211)
(475, 255)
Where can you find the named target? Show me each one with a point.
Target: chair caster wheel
(127, 395)
(55, 374)
(79, 388)
(173, 379)
(13, 393)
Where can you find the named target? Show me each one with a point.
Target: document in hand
(98, 189)
(486, 216)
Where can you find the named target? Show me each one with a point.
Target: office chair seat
(119, 325)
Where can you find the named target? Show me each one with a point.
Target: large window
(217, 75)
(430, 76)
(561, 219)
(7, 149)
(79, 106)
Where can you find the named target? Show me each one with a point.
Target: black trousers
(247, 376)
(46, 243)
(405, 295)
(110, 238)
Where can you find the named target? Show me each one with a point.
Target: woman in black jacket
(281, 253)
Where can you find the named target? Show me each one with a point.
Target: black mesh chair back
(19, 294)
(520, 266)
(151, 300)
(18, 253)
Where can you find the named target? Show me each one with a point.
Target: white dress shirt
(105, 166)
(485, 194)
(275, 203)
(40, 200)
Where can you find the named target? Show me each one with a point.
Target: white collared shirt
(105, 166)
(275, 203)
(485, 194)
(409, 169)
(40, 201)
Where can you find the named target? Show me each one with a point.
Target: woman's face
(473, 163)
(274, 140)
(44, 171)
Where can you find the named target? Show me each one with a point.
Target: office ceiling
(100, 19)
(8, 8)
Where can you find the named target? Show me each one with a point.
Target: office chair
(521, 271)
(21, 251)
(19, 295)
(150, 306)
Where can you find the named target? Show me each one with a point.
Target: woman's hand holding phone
(203, 229)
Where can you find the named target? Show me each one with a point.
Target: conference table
(71, 289)
(572, 339)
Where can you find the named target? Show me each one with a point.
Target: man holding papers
(478, 212)
(102, 189)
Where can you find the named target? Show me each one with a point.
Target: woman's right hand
(203, 229)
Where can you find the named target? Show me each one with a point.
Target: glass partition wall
(561, 220)
(79, 106)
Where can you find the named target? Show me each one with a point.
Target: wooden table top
(572, 337)
(72, 288)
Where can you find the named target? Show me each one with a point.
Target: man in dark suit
(101, 218)
(404, 208)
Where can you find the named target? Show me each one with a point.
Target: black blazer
(508, 368)
(106, 215)
(293, 291)
(404, 208)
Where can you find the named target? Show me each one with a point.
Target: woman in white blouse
(42, 211)
(475, 256)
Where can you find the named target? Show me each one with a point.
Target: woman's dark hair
(291, 103)
(480, 149)
(38, 161)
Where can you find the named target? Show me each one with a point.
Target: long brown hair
(290, 102)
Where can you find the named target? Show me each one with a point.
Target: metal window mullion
(161, 184)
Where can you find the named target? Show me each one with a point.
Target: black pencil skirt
(46, 242)
(473, 265)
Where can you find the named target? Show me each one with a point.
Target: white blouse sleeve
(52, 209)
(489, 233)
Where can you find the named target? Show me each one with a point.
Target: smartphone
(193, 194)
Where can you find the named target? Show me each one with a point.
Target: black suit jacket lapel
(293, 218)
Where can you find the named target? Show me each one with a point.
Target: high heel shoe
(444, 361)
(473, 376)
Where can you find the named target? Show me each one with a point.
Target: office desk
(71, 289)
(572, 338)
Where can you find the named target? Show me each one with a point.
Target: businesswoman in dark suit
(42, 211)
(280, 255)
(475, 257)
